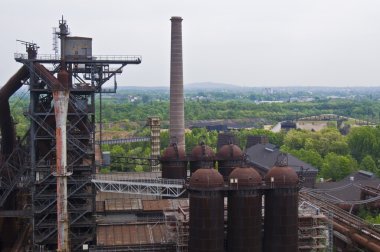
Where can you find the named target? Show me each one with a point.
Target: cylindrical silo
(281, 210)
(206, 232)
(202, 156)
(174, 163)
(229, 156)
(177, 112)
(244, 211)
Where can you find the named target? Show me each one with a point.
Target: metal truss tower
(85, 76)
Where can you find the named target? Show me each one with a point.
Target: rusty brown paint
(8, 133)
(206, 211)
(61, 100)
(244, 211)
(132, 234)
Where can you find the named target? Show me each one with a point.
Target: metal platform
(134, 185)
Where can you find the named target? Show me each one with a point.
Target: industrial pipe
(358, 238)
(61, 95)
(8, 133)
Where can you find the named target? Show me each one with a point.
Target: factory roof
(264, 156)
(131, 234)
(349, 188)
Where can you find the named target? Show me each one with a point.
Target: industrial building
(52, 199)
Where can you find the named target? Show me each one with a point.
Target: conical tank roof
(245, 177)
(229, 152)
(206, 178)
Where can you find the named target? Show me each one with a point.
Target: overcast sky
(242, 42)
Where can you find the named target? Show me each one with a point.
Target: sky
(243, 42)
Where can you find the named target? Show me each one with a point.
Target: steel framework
(146, 186)
(36, 163)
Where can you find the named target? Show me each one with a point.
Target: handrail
(93, 57)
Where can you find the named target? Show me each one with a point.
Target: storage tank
(206, 232)
(229, 156)
(174, 163)
(244, 211)
(202, 156)
(281, 210)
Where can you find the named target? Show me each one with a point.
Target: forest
(334, 154)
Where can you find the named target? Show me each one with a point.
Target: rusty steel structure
(244, 211)
(281, 209)
(202, 156)
(177, 113)
(229, 156)
(206, 231)
(174, 163)
(55, 160)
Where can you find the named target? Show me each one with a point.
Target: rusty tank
(206, 232)
(229, 156)
(174, 163)
(244, 211)
(202, 156)
(281, 210)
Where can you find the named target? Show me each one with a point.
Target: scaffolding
(313, 229)
(177, 224)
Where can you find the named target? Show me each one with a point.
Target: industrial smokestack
(177, 118)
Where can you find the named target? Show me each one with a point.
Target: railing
(124, 140)
(135, 58)
(121, 179)
(135, 185)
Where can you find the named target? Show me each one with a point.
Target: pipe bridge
(139, 185)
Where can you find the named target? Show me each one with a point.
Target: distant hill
(212, 86)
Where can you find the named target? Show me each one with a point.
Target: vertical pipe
(177, 120)
(61, 100)
(61, 96)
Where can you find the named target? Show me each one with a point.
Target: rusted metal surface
(8, 134)
(134, 234)
(174, 163)
(45, 75)
(155, 205)
(244, 178)
(206, 178)
(100, 206)
(202, 156)
(61, 102)
(244, 211)
(281, 210)
(175, 204)
(229, 156)
(279, 176)
(206, 211)
(77, 48)
(281, 220)
(114, 205)
(177, 118)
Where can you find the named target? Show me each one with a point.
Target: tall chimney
(177, 119)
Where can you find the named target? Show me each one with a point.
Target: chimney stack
(177, 118)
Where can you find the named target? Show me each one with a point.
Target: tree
(363, 141)
(368, 164)
(309, 156)
(117, 151)
(337, 167)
